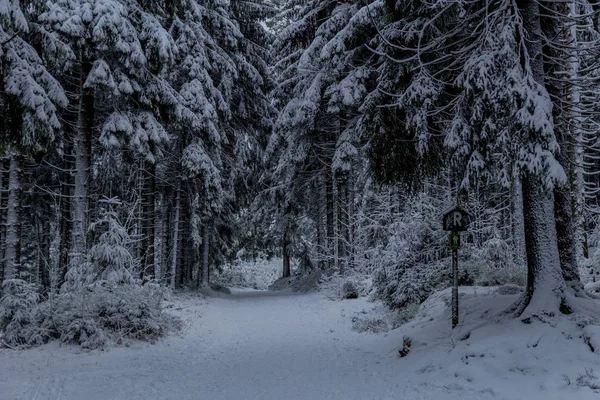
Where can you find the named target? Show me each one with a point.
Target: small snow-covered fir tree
(110, 258)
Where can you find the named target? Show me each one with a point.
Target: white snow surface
(279, 345)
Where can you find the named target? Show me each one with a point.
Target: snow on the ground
(277, 345)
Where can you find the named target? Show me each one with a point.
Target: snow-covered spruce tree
(203, 63)
(321, 79)
(492, 91)
(110, 258)
(29, 98)
(114, 78)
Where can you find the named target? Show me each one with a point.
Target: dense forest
(145, 144)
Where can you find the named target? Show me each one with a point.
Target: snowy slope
(265, 345)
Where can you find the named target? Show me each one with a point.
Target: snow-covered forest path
(255, 345)
(251, 345)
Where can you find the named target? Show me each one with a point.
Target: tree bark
(82, 143)
(545, 283)
(4, 169)
(160, 216)
(149, 218)
(286, 255)
(329, 188)
(205, 254)
(175, 244)
(342, 213)
(518, 230)
(13, 220)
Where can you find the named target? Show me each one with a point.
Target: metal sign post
(455, 220)
(454, 287)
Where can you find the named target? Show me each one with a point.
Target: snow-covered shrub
(411, 262)
(104, 313)
(257, 274)
(509, 289)
(497, 266)
(338, 287)
(100, 302)
(17, 313)
(401, 287)
(369, 324)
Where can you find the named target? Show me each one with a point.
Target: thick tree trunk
(545, 283)
(565, 237)
(13, 220)
(81, 147)
(566, 122)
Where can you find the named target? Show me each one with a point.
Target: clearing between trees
(281, 345)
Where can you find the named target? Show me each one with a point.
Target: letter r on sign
(457, 219)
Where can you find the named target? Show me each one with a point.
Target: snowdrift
(493, 353)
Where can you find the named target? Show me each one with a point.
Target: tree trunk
(160, 217)
(342, 213)
(319, 221)
(45, 233)
(175, 244)
(4, 169)
(13, 220)
(566, 125)
(286, 255)
(518, 230)
(149, 218)
(82, 143)
(545, 283)
(577, 139)
(329, 188)
(205, 254)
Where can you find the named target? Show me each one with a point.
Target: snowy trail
(252, 345)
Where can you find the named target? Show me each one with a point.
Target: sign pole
(454, 287)
(455, 220)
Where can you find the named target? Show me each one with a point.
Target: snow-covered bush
(496, 265)
(350, 285)
(412, 262)
(257, 274)
(370, 325)
(99, 304)
(98, 315)
(103, 313)
(17, 313)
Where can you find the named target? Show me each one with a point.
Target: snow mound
(298, 283)
(493, 352)
(258, 274)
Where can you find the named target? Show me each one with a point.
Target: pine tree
(29, 101)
